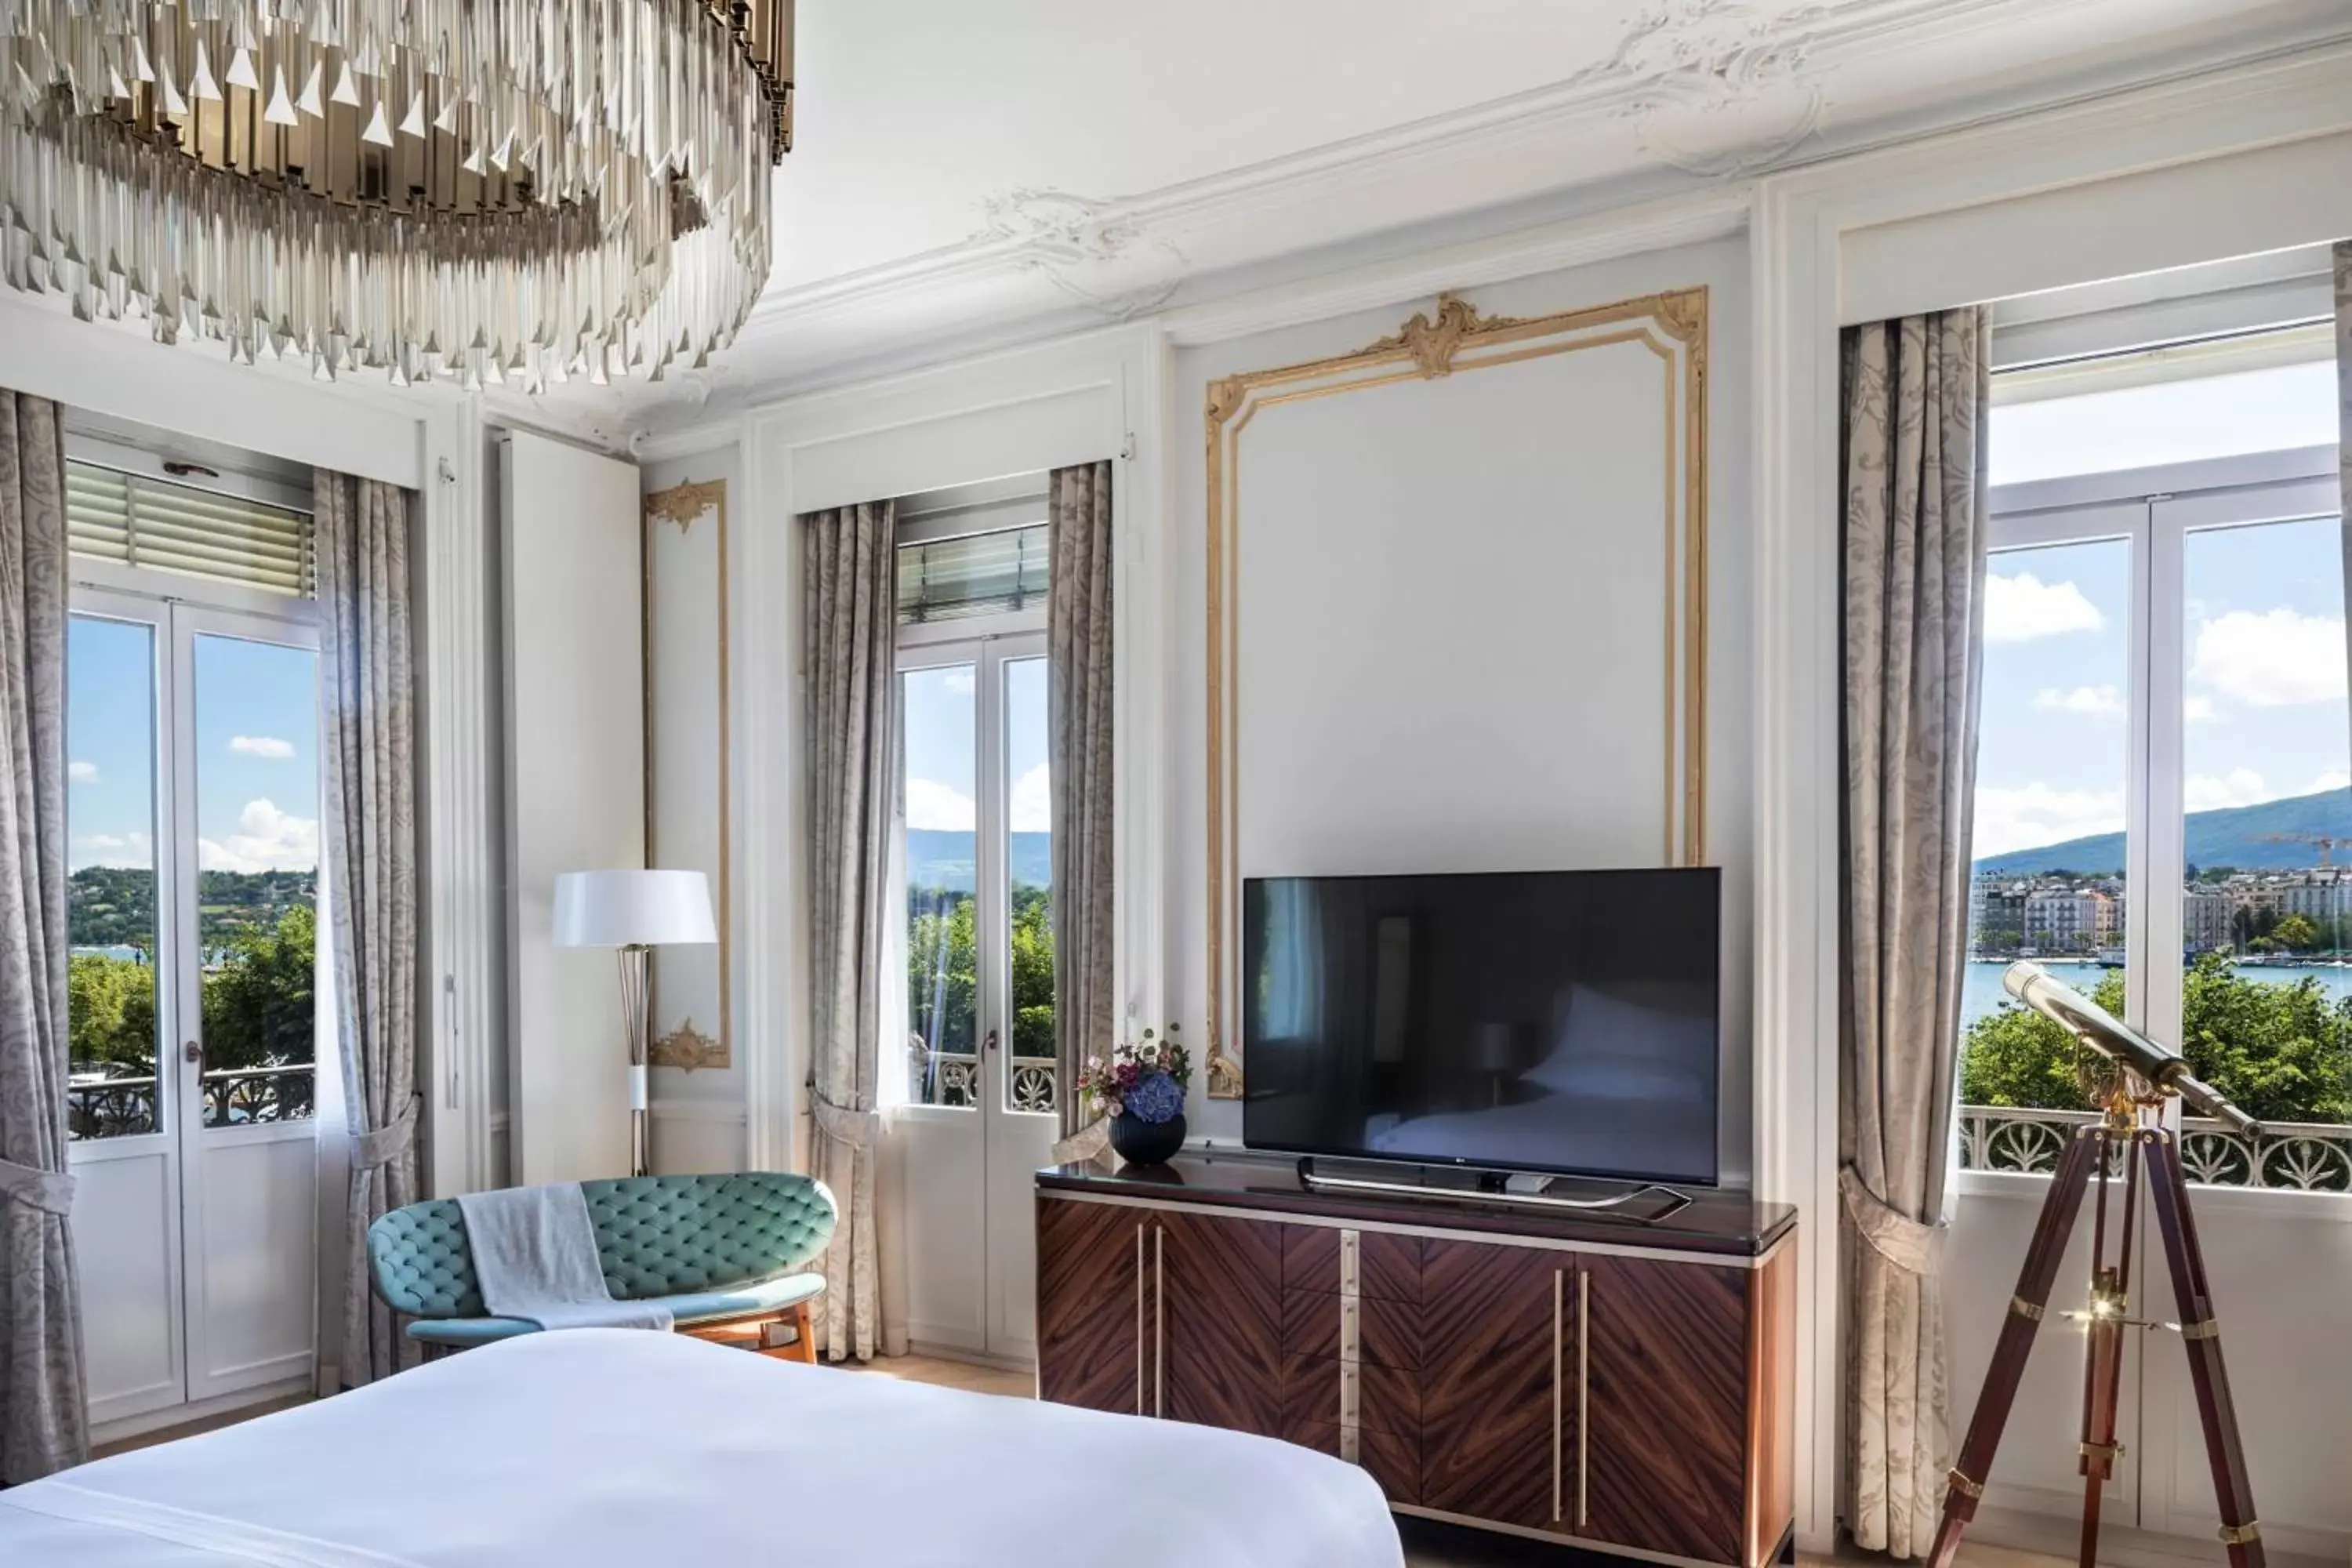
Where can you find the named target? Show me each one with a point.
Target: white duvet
(606, 1448)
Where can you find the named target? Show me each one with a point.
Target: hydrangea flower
(1155, 1098)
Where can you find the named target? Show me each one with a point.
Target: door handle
(192, 1051)
(990, 1043)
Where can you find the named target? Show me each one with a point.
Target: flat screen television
(1555, 1021)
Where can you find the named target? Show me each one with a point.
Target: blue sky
(2264, 632)
(942, 716)
(257, 750)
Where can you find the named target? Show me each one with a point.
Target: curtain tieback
(387, 1142)
(51, 1192)
(1895, 1235)
(846, 1124)
(1084, 1143)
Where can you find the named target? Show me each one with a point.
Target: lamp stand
(637, 1021)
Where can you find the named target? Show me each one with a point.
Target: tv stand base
(1494, 1187)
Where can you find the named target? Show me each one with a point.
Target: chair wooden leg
(804, 1335)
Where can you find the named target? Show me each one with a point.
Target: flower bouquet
(1141, 1088)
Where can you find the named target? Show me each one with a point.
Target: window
(2162, 810)
(156, 524)
(976, 847)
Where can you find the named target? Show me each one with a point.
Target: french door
(974, 1082)
(194, 1001)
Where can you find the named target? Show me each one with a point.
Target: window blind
(978, 575)
(141, 522)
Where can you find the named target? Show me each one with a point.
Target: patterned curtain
(43, 1422)
(1079, 769)
(370, 730)
(853, 745)
(2343, 411)
(1915, 391)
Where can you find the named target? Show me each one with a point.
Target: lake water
(1981, 992)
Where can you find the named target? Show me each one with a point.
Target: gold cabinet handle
(1583, 1389)
(1159, 1321)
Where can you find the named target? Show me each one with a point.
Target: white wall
(1505, 622)
(575, 793)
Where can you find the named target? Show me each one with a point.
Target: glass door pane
(110, 905)
(938, 710)
(1029, 880)
(2266, 913)
(2051, 807)
(257, 794)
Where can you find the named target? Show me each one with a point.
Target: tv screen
(1559, 1021)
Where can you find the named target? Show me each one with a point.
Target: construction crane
(2327, 843)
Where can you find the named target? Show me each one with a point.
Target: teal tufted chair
(720, 1252)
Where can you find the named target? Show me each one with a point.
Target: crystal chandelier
(516, 191)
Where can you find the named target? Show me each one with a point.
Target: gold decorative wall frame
(681, 506)
(1456, 339)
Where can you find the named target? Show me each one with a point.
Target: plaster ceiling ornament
(1722, 87)
(1070, 240)
(484, 190)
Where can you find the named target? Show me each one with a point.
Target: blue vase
(1141, 1143)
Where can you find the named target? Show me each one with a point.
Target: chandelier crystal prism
(494, 191)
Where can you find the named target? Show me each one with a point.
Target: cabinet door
(1492, 1358)
(1661, 1464)
(1092, 1270)
(1219, 1304)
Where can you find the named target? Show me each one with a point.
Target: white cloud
(131, 850)
(2020, 608)
(2080, 700)
(2036, 814)
(267, 839)
(2200, 710)
(2334, 778)
(1032, 806)
(82, 773)
(935, 808)
(268, 746)
(2211, 792)
(958, 679)
(2273, 659)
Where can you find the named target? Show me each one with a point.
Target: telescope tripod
(2148, 1156)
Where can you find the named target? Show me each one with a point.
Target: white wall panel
(575, 790)
(127, 1245)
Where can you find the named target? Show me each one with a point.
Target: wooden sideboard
(1571, 1376)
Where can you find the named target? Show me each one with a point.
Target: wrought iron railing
(952, 1079)
(2291, 1156)
(234, 1097)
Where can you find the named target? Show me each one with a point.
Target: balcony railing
(234, 1097)
(2290, 1156)
(952, 1079)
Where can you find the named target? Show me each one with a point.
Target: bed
(607, 1448)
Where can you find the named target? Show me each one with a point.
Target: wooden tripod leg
(2042, 1257)
(2167, 1191)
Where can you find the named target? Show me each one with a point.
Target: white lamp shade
(624, 908)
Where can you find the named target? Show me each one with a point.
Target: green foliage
(258, 1001)
(2282, 1052)
(2296, 934)
(943, 969)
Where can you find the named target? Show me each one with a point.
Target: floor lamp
(633, 912)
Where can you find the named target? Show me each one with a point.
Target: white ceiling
(965, 170)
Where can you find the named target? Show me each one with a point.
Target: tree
(1033, 973)
(259, 1004)
(2296, 934)
(2282, 1052)
(943, 970)
(110, 1012)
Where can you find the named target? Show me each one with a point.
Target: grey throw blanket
(535, 1258)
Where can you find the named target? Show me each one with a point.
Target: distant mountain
(941, 860)
(2237, 835)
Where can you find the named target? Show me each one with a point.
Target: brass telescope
(2099, 1029)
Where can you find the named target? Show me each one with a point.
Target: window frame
(2155, 510)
